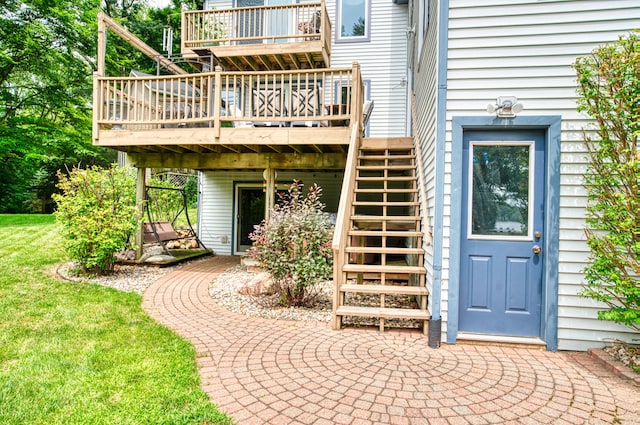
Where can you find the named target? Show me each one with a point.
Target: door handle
(536, 249)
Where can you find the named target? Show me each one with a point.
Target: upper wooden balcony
(276, 112)
(279, 37)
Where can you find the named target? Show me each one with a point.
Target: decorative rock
(159, 259)
(153, 251)
(249, 293)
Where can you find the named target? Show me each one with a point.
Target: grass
(83, 354)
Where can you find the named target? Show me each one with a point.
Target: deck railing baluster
(138, 103)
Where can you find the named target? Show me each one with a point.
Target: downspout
(441, 126)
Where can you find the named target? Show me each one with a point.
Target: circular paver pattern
(262, 371)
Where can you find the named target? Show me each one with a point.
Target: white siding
(218, 4)
(383, 61)
(215, 223)
(525, 48)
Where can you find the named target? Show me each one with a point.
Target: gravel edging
(245, 292)
(125, 277)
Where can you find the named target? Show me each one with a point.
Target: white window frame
(367, 24)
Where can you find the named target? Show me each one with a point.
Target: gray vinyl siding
(215, 224)
(526, 48)
(425, 89)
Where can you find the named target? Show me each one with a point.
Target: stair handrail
(346, 193)
(343, 217)
(420, 171)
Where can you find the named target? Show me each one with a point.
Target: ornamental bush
(609, 92)
(294, 245)
(97, 214)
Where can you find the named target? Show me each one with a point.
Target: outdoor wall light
(505, 107)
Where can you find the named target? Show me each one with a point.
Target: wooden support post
(217, 101)
(184, 30)
(270, 199)
(102, 45)
(357, 98)
(141, 182)
(97, 101)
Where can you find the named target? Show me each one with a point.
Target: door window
(500, 187)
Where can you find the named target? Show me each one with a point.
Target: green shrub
(97, 214)
(294, 245)
(609, 91)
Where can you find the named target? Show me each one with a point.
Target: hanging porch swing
(168, 224)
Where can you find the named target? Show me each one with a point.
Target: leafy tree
(294, 245)
(609, 92)
(47, 56)
(97, 214)
(46, 51)
(147, 24)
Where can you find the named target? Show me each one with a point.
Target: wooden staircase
(381, 272)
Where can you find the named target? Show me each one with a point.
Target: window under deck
(293, 36)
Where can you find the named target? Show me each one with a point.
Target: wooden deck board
(395, 313)
(385, 289)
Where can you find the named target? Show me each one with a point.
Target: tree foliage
(294, 245)
(97, 214)
(46, 59)
(147, 24)
(609, 92)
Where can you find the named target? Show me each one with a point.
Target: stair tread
(387, 156)
(386, 167)
(398, 233)
(383, 250)
(388, 225)
(386, 203)
(382, 178)
(362, 217)
(400, 313)
(381, 190)
(384, 289)
(377, 268)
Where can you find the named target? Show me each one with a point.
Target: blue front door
(502, 232)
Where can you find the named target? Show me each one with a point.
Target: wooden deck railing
(316, 97)
(259, 24)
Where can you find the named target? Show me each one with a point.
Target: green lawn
(83, 354)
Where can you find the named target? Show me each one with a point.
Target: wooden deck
(265, 112)
(266, 97)
(294, 36)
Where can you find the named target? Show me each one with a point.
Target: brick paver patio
(262, 371)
